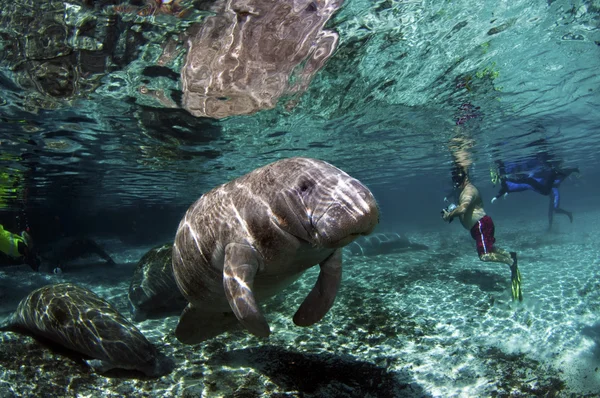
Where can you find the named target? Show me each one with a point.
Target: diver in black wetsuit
(69, 249)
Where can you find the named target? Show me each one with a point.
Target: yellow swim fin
(515, 278)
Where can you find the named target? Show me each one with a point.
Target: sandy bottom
(425, 323)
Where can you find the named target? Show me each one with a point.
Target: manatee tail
(196, 326)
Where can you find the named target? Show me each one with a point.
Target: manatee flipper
(196, 326)
(239, 270)
(321, 297)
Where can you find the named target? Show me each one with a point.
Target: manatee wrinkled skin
(153, 292)
(248, 239)
(79, 320)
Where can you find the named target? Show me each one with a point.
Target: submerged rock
(153, 292)
(77, 319)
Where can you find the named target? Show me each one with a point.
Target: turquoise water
(97, 140)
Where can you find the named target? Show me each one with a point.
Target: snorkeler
(472, 216)
(18, 247)
(60, 253)
(543, 181)
(520, 184)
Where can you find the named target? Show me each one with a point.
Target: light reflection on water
(388, 97)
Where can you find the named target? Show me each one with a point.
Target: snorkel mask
(494, 176)
(458, 176)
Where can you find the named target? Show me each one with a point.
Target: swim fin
(515, 278)
(27, 239)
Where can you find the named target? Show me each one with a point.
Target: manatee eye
(312, 7)
(305, 186)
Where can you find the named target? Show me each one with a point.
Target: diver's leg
(483, 232)
(561, 174)
(555, 205)
(497, 257)
(488, 252)
(501, 251)
(542, 188)
(567, 213)
(550, 212)
(509, 258)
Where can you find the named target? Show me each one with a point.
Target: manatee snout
(354, 212)
(366, 224)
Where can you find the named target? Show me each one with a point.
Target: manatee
(79, 320)
(383, 243)
(153, 292)
(248, 239)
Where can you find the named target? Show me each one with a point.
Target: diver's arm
(466, 198)
(503, 192)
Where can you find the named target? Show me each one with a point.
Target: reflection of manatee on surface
(153, 292)
(249, 53)
(50, 55)
(248, 239)
(77, 319)
(383, 243)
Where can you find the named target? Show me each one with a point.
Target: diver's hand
(493, 199)
(446, 216)
(505, 195)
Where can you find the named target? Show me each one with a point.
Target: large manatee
(76, 318)
(250, 238)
